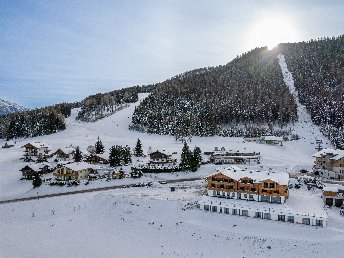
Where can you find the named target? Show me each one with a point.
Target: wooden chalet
(65, 153)
(97, 159)
(333, 195)
(329, 164)
(31, 170)
(235, 183)
(37, 150)
(158, 157)
(73, 171)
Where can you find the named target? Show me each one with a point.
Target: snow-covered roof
(38, 145)
(337, 154)
(333, 188)
(271, 138)
(236, 173)
(38, 166)
(78, 166)
(67, 150)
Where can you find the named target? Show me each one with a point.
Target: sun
(270, 31)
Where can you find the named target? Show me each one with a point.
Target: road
(99, 189)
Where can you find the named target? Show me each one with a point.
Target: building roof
(157, 155)
(236, 173)
(271, 138)
(37, 145)
(37, 166)
(78, 166)
(333, 188)
(337, 154)
(66, 150)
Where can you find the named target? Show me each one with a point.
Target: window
(214, 208)
(275, 199)
(206, 207)
(251, 197)
(212, 185)
(306, 221)
(226, 210)
(244, 213)
(266, 185)
(272, 185)
(291, 219)
(281, 217)
(214, 193)
(258, 214)
(245, 195)
(222, 186)
(267, 216)
(235, 212)
(319, 223)
(265, 198)
(230, 187)
(253, 189)
(233, 195)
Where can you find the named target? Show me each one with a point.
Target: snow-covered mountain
(7, 107)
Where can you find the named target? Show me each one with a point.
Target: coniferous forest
(318, 70)
(246, 97)
(248, 91)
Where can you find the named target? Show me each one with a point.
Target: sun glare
(270, 31)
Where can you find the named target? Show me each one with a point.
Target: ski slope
(154, 222)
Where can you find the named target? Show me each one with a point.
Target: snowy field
(154, 222)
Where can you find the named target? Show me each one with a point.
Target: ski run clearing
(153, 221)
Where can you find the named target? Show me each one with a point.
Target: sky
(56, 51)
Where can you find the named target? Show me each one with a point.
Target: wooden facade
(36, 150)
(96, 159)
(333, 195)
(247, 188)
(30, 171)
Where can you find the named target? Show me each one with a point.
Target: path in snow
(304, 127)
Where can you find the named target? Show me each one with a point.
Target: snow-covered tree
(138, 149)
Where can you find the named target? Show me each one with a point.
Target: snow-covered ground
(152, 222)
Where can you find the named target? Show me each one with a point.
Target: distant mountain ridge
(7, 107)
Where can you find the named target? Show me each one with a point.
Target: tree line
(318, 71)
(249, 91)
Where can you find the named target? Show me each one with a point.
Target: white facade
(246, 209)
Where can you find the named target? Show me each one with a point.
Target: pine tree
(126, 155)
(37, 181)
(185, 158)
(77, 155)
(196, 159)
(99, 146)
(138, 149)
(115, 156)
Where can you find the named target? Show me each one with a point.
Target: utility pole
(319, 145)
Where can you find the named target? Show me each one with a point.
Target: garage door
(276, 199)
(329, 201)
(265, 198)
(338, 202)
